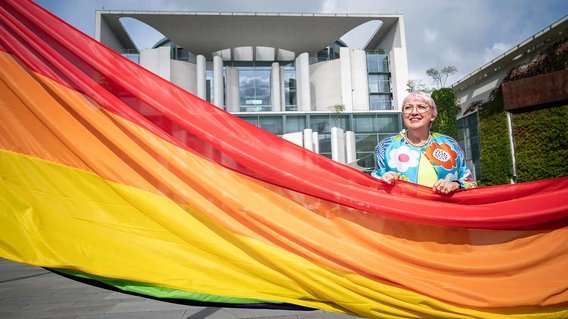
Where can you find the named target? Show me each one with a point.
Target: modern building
(476, 88)
(285, 73)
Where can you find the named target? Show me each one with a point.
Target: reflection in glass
(290, 87)
(363, 123)
(380, 102)
(320, 124)
(325, 144)
(272, 124)
(379, 83)
(254, 88)
(369, 128)
(377, 63)
(251, 119)
(388, 124)
(468, 138)
(209, 86)
(341, 121)
(295, 124)
(366, 142)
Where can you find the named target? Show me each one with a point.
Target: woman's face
(417, 115)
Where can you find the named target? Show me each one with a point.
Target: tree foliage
(440, 77)
(446, 122)
(541, 142)
(417, 85)
(495, 163)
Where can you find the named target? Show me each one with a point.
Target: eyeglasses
(420, 108)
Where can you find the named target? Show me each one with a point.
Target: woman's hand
(445, 187)
(390, 177)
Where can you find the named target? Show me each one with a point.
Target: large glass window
(388, 124)
(363, 123)
(379, 78)
(379, 83)
(209, 85)
(341, 121)
(325, 144)
(320, 123)
(468, 138)
(252, 119)
(290, 87)
(272, 124)
(377, 63)
(365, 144)
(369, 128)
(383, 123)
(254, 88)
(380, 102)
(295, 123)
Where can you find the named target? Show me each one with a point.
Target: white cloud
(430, 36)
(495, 50)
(438, 32)
(329, 6)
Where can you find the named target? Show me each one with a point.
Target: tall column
(308, 139)
(218, 82)
(346, 83)
(350, 147)
(303, 82)
(359, 80)
(282, 90)
(315, 140)
(337, 145)
(275, 87)
(158, 61)
(201, 82)
(232, 86)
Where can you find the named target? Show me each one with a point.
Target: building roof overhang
(207, 32)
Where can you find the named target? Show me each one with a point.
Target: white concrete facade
(232, 89)
(200, 76)
(213, 70)
(158, 61)
(218, 98)
(326, 79)
(303, 82)
(183, 74)
(275, 87)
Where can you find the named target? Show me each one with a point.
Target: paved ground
(28, 292)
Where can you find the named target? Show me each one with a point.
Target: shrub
(495, 162)
(445, 122)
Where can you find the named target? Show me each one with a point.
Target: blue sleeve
(380, 158)
(465, 178)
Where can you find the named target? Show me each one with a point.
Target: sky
(439, 33)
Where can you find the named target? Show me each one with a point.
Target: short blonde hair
(422, 98)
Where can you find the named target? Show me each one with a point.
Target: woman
(420, 156)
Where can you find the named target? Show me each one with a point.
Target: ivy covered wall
(541, 138)
(495, 162)
(445, 122)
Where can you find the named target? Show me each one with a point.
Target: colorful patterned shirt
(440, 158)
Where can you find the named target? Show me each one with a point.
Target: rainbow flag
(110, 173)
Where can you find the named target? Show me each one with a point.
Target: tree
(440, 77)
(417, 85)
(337, 110)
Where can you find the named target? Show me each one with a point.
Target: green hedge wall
(541, 144)
(445, 122)
(541, 138)
(495, 162)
